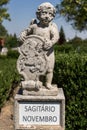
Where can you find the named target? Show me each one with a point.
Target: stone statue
(36, 58)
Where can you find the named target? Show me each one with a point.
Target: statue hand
(47, 45)
(22, 36)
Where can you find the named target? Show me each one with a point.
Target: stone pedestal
(40, 112)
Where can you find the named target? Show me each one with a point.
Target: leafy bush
(12, 54)
(70, 73)
(79, 47)
(12, 41)
(8, 76)
(64, 48)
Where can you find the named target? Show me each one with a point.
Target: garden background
(70, 72)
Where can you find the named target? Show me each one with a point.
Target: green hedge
(70, 73)
(8, 76)
(71, 47)
(13, 54)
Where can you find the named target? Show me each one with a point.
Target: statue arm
(54, 33)
(25, 33)
(54, 36)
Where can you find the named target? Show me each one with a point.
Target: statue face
(45, 13)
(46, 16)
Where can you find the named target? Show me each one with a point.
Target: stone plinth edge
(54, 99)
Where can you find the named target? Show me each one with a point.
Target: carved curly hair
(46, 6)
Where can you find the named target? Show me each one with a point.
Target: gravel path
(6, 117)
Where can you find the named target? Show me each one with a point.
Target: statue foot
(49, 86)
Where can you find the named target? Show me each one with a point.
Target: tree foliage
(76, 40)
(62, 38)
(3, 31)
(3, 10)
(12, 41)
(74, 11)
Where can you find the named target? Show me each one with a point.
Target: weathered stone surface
(59, 99)
(32, 61)
(43, 128)
(36, 53)
(36, 64)
(31, 85)
(42, 91)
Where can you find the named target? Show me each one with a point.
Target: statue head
(46, 12)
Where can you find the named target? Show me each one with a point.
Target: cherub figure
(48, 30)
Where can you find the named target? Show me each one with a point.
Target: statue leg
(49, 74)
(49, 77)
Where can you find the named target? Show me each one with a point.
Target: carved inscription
(38, 113)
